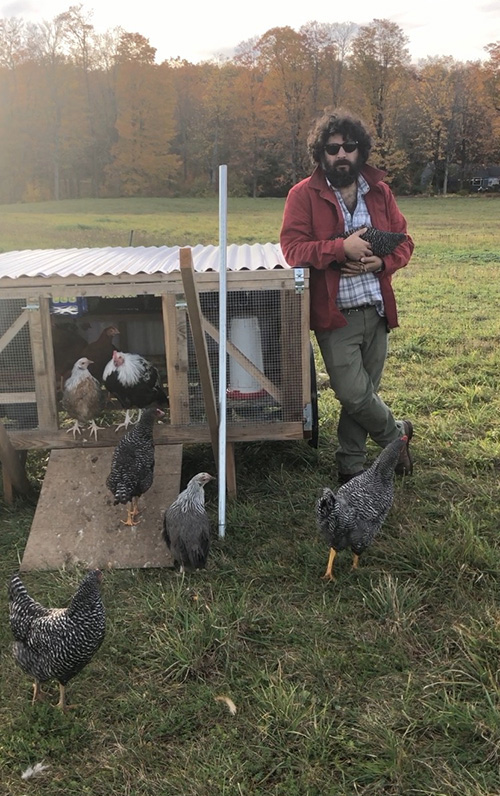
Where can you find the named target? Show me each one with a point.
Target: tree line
(88, 114)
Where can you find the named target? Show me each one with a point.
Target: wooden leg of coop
(230, 470)
(8, 487)
(14, 474)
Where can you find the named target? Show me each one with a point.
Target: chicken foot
(329, 567)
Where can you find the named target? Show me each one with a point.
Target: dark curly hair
(333, 121)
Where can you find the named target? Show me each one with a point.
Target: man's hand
(355, 247)
(365, 265)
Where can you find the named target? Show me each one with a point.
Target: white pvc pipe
(222, 347)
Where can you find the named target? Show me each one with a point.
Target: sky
(201, 30)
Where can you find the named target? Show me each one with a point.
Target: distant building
(486, 178)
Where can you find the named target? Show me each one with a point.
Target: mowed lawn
(386, 681)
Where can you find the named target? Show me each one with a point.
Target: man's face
(341, 168)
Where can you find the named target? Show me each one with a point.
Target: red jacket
(312, 215)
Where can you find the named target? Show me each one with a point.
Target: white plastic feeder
(244, 333)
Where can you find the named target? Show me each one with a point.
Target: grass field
(386, 681)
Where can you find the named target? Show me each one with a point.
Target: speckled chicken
(82, 397)
(186, 526)
(353, 517)
(132, 466)
(134, 382)
(56, 643)
(381, 241)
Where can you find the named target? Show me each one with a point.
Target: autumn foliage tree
(141, 164)
(88, 114)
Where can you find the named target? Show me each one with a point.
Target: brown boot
(405, 463)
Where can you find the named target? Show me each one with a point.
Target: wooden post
(200, 344)
(175, 329)
(291, 353)
(43, 363)
(13, 470)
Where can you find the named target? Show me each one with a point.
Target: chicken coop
(55, 302)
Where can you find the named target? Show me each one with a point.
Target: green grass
(386, 681)
(150, 222)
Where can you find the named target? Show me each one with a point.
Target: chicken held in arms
(82, 397)
(186, 526)
(133, 463)
(354, 515)
(134, 382)
(382, 242)
(56, 643)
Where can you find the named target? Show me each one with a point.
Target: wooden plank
(16, 327)
(49, 376)
(40, 439)
(44, 388)
(145, 284)
(17, 397)
(13, 471)
(200, 344)
(245, 363)
(175, 331)
(76, 523)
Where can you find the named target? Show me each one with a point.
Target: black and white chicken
(382, 242)
(56, 643)
(82, 397)
(353, 517)
(134, 382)
(133, 463)
(186, 526)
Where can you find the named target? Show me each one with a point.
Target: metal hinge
(32, 307)
(299, 278)
(180, 302)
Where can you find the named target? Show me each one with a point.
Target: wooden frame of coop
(185, 325)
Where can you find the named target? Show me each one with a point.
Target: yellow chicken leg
(132, 512)
(329, 567)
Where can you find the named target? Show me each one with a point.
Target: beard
(342, 174)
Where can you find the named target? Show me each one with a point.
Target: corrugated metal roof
(135, 260)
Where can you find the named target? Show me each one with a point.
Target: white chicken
(82, 397)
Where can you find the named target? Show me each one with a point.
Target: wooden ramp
(76, 522)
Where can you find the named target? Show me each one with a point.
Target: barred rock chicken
(82, 397)
(382, 243)
(186, 526)
(134, 381)
(56, 643)
(100, 351)
(133, 463)
(353, 517)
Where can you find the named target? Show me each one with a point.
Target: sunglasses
(334, 149)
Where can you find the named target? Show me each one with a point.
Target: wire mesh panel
(18, 407)
(264, 357)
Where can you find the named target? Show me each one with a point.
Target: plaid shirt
(355, 291)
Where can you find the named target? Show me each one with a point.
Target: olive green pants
(354, 357)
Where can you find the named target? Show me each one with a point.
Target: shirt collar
(363, 186)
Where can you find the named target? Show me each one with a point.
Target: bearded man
(352, 301)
